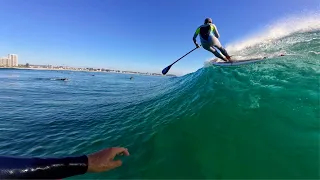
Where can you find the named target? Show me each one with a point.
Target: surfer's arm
(43, 168)
(195, 35)
(58, 168)
(215, 31)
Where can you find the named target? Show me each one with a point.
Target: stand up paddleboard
(236, 62)
(219, 62)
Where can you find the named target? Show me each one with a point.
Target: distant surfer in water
(63, 79)
(209, 39)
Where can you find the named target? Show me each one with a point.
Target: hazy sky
(144, 35)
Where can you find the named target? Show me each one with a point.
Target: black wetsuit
(42, 168)
(209, 38)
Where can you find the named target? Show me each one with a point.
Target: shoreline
(86, 70)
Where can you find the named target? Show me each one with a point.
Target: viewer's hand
(103, 160)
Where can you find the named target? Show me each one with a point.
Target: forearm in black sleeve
(44, 168)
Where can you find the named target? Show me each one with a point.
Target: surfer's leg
(208, 45)
(215, 52)
(217, 44)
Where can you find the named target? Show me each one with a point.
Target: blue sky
(143, 35)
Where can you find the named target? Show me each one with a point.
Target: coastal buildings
(51, 67)
(10, 61)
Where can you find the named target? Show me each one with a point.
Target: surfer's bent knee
(207, 45)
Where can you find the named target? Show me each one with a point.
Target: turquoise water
(256, 121)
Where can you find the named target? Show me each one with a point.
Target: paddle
(166, 70)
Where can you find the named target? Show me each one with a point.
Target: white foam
(281, 28)
(314, 52)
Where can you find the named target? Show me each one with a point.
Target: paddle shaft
(165, 70)
(184, 56)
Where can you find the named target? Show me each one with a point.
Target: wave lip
(280, 29)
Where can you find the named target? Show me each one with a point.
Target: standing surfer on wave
(209, 41)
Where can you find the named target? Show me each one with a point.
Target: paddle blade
(165, 70)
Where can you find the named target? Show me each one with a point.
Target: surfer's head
(207, 21)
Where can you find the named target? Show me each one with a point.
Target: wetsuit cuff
(42, 168)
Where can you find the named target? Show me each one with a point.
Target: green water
(256, 121)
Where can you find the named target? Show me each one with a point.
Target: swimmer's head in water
(207, 21)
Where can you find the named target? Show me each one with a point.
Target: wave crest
(280, 29)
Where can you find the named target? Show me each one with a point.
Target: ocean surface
(255, 121)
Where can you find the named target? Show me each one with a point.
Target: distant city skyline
(10, 61)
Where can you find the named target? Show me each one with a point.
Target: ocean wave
(282, 28)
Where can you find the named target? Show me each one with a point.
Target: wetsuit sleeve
(42, 168)
(215, 30)
(196, 33)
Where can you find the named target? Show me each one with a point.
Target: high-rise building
(10, 61)
(4, 61)
(13, 59)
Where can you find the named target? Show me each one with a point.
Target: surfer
(62, 79)
(209, 39)
(58, 168)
